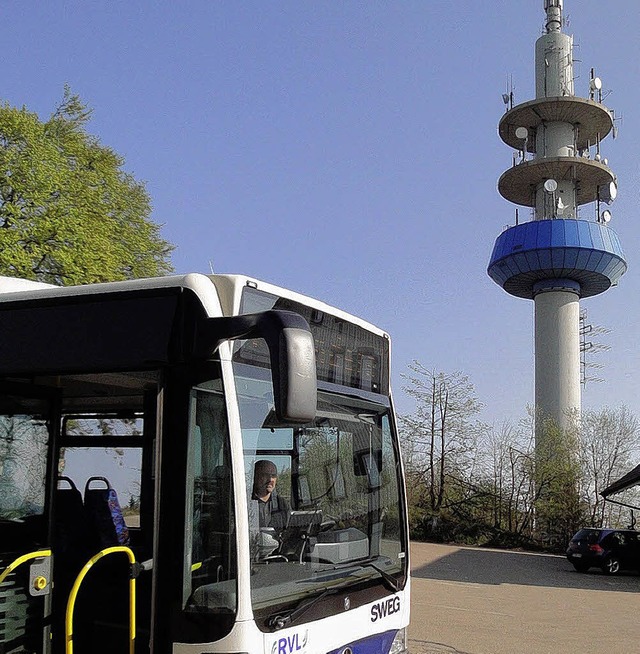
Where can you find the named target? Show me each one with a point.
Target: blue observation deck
(582, 251)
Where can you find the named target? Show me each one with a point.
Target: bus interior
(77, 475)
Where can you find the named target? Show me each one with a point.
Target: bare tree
(504, 455)
(609, 444)
(23, 445)
(508, 469)
(441, 432)
(531, 488)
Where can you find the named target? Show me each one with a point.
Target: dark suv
(611, 550)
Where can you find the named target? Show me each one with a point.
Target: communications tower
(565, 252)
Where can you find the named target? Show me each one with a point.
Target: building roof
(632, 478)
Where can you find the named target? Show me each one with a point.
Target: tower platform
(519, 183)
(585, 252)
(592, 120)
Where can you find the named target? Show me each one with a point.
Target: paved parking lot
(477, 601)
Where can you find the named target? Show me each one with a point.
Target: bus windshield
(324, 499)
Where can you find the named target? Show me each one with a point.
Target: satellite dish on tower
(606, 216)
(551, 186)
(608, 192)
(595, 84)
(522, 132)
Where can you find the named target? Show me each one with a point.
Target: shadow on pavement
(478, 566)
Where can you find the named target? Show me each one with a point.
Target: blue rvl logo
(291, 644)
(385, 608)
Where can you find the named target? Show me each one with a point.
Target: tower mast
(558, 257)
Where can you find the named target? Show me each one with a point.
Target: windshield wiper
(389, 581)
(281, 620)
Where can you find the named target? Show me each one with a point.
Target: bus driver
(274, 509)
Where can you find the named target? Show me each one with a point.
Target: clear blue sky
(347, 150)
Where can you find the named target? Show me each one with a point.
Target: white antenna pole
(554, 15)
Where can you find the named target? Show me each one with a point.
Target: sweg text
(385, 608)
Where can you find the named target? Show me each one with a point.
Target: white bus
(133, 418)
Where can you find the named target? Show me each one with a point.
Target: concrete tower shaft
(557, 258)
(557, 360)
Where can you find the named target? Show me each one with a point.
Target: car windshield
(324, 501)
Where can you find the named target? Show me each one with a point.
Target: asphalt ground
(476, 601)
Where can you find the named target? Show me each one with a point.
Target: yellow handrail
(76, 587)
(20, 560)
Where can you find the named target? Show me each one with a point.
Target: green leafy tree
(559, 512)
(69, 213)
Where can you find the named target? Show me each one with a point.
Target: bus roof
(230, 287)
(218, 294)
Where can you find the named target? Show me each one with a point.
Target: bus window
(111, 468)
(24, 437)
(97, 470)
(210, 567)
(341, 478)
(24, 442)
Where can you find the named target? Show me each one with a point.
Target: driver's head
(265, 476)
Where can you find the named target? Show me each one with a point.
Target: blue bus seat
(104, 514)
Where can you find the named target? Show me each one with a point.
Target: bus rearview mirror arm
(291, 352)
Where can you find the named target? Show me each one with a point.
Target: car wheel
(580, 567)
(611, 566)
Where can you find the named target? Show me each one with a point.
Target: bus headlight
(399, 644)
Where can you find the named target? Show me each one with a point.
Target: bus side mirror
(293, 369)
(291, 353)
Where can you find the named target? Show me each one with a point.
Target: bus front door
(28, 424)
